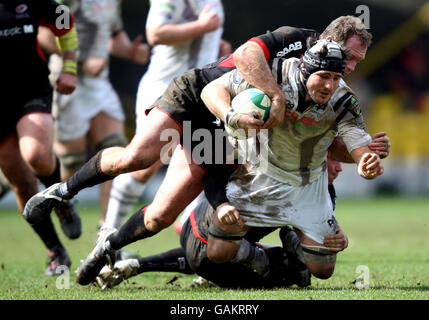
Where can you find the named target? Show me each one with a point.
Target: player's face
(357, 53)
(322, 84)
(334, 168)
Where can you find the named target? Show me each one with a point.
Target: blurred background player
(27, 128)
(93, 116)
(184, 35)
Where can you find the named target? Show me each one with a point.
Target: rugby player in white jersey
(288, 186)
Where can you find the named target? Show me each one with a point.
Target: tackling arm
(251, 62)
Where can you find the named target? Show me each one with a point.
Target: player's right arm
(251, 60)
(162, 28)
(217, 97)
(215, 190)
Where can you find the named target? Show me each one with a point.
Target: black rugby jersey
(285, 42)
(22, 63)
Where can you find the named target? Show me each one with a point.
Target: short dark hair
(344, 27)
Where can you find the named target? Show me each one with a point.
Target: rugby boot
(41, 204)
(69, 219)
(124, 269)
(95, 261)
(292, 246)
(58, 262)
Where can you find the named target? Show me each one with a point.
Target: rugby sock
(124, 194)
(53, 177)
(132, 230)
(170, 261)
(88, 175)
(252, 257)
(46, 231)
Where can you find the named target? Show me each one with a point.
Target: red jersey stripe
(263, 46)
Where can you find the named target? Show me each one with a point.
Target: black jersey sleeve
(215, 183)
(285, 41)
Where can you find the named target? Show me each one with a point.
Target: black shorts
(203, 135)
(20, 104)
(225, 275)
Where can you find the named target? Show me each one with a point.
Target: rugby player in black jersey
(26, 134)
(181, 102)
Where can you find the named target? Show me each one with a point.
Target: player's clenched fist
(370, 166)
(229, 215)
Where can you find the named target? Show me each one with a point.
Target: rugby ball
(250, 101)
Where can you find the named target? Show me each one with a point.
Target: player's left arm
(67, 43)
(380, 144)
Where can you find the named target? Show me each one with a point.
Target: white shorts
(73, 113)
(265, 202)
(147, 94)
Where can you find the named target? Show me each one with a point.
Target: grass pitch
(388, 255)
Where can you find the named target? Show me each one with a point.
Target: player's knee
(41, 164)
(219, 251)
(113, 140)
(323, 271)
(320, 260)
(72, 161)
(223, 245)
(156, 224)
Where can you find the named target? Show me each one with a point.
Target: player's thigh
(21, 178)
(102, 126)
(182, 183)
(161, 133)
(35, 134)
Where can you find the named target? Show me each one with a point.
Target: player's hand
(380, 144)
(249, 122)
(229, 215)
(277, 112)
(140, 52)
(208, 19)
(94, 65)
(66, 83)
(370, 166)
(336, 242)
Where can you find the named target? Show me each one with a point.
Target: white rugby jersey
(169, 61)
(96, 21)
(295, 152)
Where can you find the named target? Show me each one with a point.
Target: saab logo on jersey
(21, 8)
(355, 106)
(292, 47)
